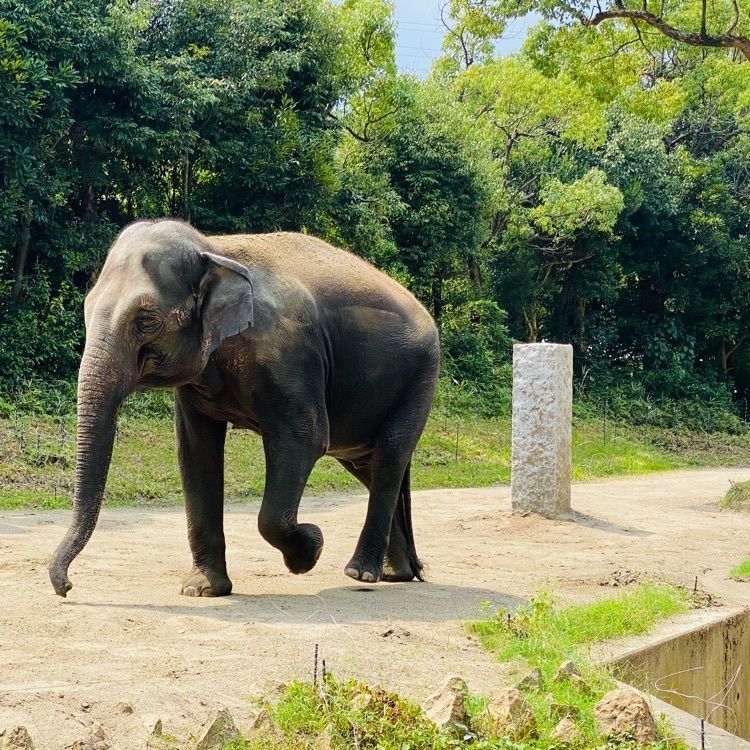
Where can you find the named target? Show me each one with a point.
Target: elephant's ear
(225, 301)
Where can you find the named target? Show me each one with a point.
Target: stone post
(542, 429)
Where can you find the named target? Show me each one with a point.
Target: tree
(692, 22)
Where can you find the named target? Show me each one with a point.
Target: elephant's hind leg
(400, 562)
(200, 452)
(386, 550)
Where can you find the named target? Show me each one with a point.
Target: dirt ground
(124, 633)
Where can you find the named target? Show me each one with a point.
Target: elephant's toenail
(369, 577)
(352, 573)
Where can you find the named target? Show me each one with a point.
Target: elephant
(308, 345)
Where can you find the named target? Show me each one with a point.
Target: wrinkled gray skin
(309, 346)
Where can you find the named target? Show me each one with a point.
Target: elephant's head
(161, 305)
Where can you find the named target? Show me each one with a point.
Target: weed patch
(341, 715)
(543, 636)
(742, 571)
(737, 498)
(37, 456)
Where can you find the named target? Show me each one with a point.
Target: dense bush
(585, 190)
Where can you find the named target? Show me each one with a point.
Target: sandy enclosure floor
(124, 633)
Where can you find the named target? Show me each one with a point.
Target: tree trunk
(21, 254)
(90, 197)
(437, 299)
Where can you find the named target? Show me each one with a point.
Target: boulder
(561, 710)
(579, 683)
(531, 681)
(624, 713)
(447, 707)
(218, 732)
(325, 741)
(262, 723)
(361, 701)
(16, 738)
(96, 739)
(567, 733)
(510, 715)
(566, 671)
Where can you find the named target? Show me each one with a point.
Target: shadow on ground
(411, 602)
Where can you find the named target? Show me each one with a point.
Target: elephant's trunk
(104, 380)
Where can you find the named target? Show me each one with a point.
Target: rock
(361, 701)
(16, 738)
(561, 710)
(541, 426)
(566, 671)
(579, 683)
(218, 732)
(625, 713)
(124, 708)
(262, 723)
(567, 733)
(447, 707)
(531, 681)
(510, 715)
(324, 739)
(96, 739)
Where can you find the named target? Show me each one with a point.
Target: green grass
(37, 458)
(737, 498)
(341, 715)
(742, 571)
(541, 635)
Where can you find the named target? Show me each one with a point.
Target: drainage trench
(704, 671)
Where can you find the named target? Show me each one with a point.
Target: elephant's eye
(148, 322)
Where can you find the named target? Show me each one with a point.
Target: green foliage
(465, 444)
(742, 571)
(541, 635)
(476, 344)
(593, 189)
(737, 497)
(340, 715)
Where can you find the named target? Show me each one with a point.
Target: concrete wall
(697, 665)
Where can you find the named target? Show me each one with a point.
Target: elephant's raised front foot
(302, 551)
(361, 569)
(198, 583)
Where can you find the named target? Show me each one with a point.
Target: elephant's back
(333, 276)
(307, 259)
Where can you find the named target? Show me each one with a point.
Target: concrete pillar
(542, 429)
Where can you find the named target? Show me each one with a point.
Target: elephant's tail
(403, 518)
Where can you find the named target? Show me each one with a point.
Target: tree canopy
(593, 188)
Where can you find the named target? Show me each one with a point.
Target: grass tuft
(737, 498)
(541, 635)
(342, 715)
(37, 458)
(742, 571)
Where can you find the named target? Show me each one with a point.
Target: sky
(420, 33)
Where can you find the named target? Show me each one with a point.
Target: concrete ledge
(687, 660)
(687, 727)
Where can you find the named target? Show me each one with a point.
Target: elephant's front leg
(289, 462)
(200, 452)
